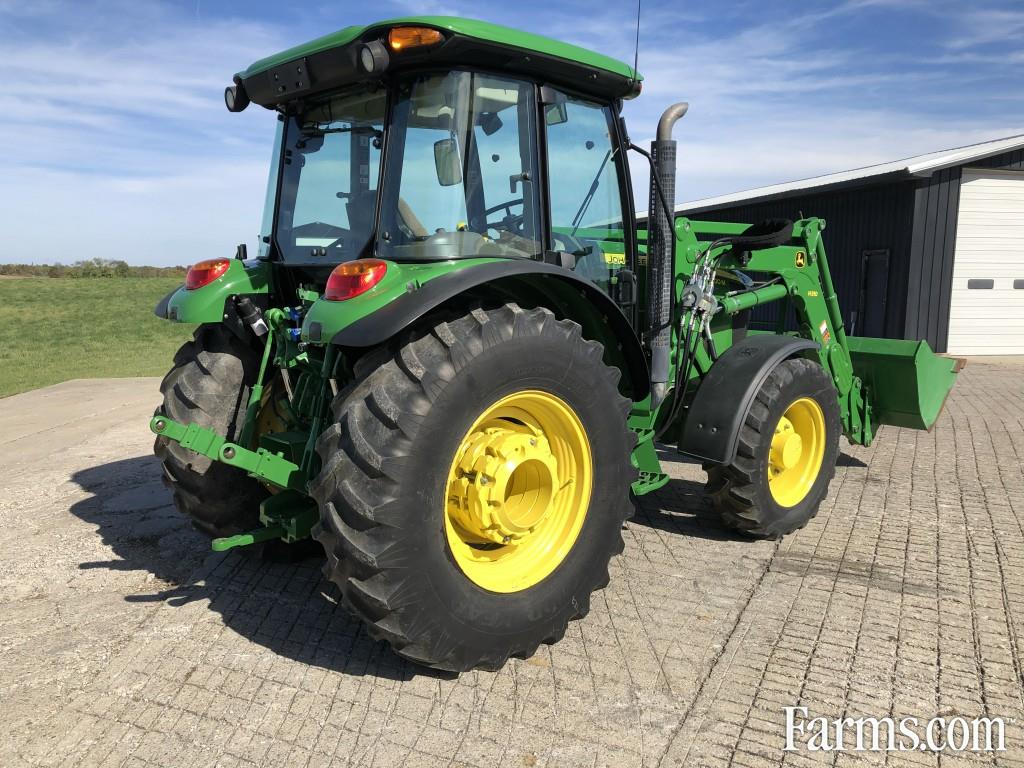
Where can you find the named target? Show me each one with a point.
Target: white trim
(979, 171)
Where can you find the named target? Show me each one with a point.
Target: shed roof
(919, 165)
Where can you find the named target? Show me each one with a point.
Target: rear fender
(527, 282)
(712, 429)
(208, 304)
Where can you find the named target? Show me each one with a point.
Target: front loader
(456, 348)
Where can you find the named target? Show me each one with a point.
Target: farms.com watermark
(888, 734)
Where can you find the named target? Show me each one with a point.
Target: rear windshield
(329, 179)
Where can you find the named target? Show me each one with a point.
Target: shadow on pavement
(681, 507)
(846, 460)
(287, 607)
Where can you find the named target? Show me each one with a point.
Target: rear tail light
(400, 38)
(205, 272)
(353, 278)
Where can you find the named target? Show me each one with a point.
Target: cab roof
(467, 42)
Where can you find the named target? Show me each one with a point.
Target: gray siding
(857, 220)
(914, 219)
(936, 202)
(1009, 161)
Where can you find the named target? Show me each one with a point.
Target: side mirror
(490, 123)
(310, 142)
(556, 114)
(447, 162)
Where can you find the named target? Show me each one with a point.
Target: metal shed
(929, 247)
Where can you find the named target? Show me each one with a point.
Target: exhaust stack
(661, 241)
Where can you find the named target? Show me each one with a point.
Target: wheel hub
(517, 491)
(504, 482)
(796, 452)
(787, 446)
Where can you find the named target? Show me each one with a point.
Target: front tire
(448, 456)
(786, 457)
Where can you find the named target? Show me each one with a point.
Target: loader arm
(877, 381)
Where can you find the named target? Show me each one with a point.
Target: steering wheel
(572, 244)
(512, 222)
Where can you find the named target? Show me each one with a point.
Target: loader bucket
(906, 383)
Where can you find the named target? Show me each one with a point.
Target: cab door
(586, 192)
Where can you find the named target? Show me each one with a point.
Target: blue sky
(117, 144)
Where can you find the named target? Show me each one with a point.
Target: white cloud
(118, 144)
(169, 219)
(766, 106)
(985, 26)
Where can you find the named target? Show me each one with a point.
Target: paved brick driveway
(125, 643)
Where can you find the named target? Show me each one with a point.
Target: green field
(52, 330)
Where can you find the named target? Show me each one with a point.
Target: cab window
(461, 176)
(586, 201)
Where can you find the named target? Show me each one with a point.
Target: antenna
(636, 56)
(636, 49)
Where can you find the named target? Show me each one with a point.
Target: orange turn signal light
(205, 272)
(400, 38)
(353, 278)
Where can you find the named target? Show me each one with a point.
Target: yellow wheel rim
(518, 491)
(798, 447)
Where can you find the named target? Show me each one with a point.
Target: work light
(373, 57)
(235, 98)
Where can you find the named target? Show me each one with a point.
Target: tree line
(90, 268)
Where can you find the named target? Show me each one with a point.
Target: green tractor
(455, 350)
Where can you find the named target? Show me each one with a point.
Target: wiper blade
(313, 129)
(578, 218)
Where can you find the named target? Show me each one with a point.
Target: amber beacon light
(401, 38)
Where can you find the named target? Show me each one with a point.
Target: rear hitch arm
(260, 463)
(288, 515)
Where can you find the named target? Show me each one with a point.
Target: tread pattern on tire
(363, 455)
(209, 385)
(732, 488)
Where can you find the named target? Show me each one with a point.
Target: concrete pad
(42, 422)
(126, 642)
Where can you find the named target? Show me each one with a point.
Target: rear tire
(385, 491)
(209, 385)
(741, 492)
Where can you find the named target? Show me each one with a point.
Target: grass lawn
(55, 329)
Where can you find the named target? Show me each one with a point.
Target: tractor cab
(409, 155)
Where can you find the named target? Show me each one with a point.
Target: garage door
(986, 315)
